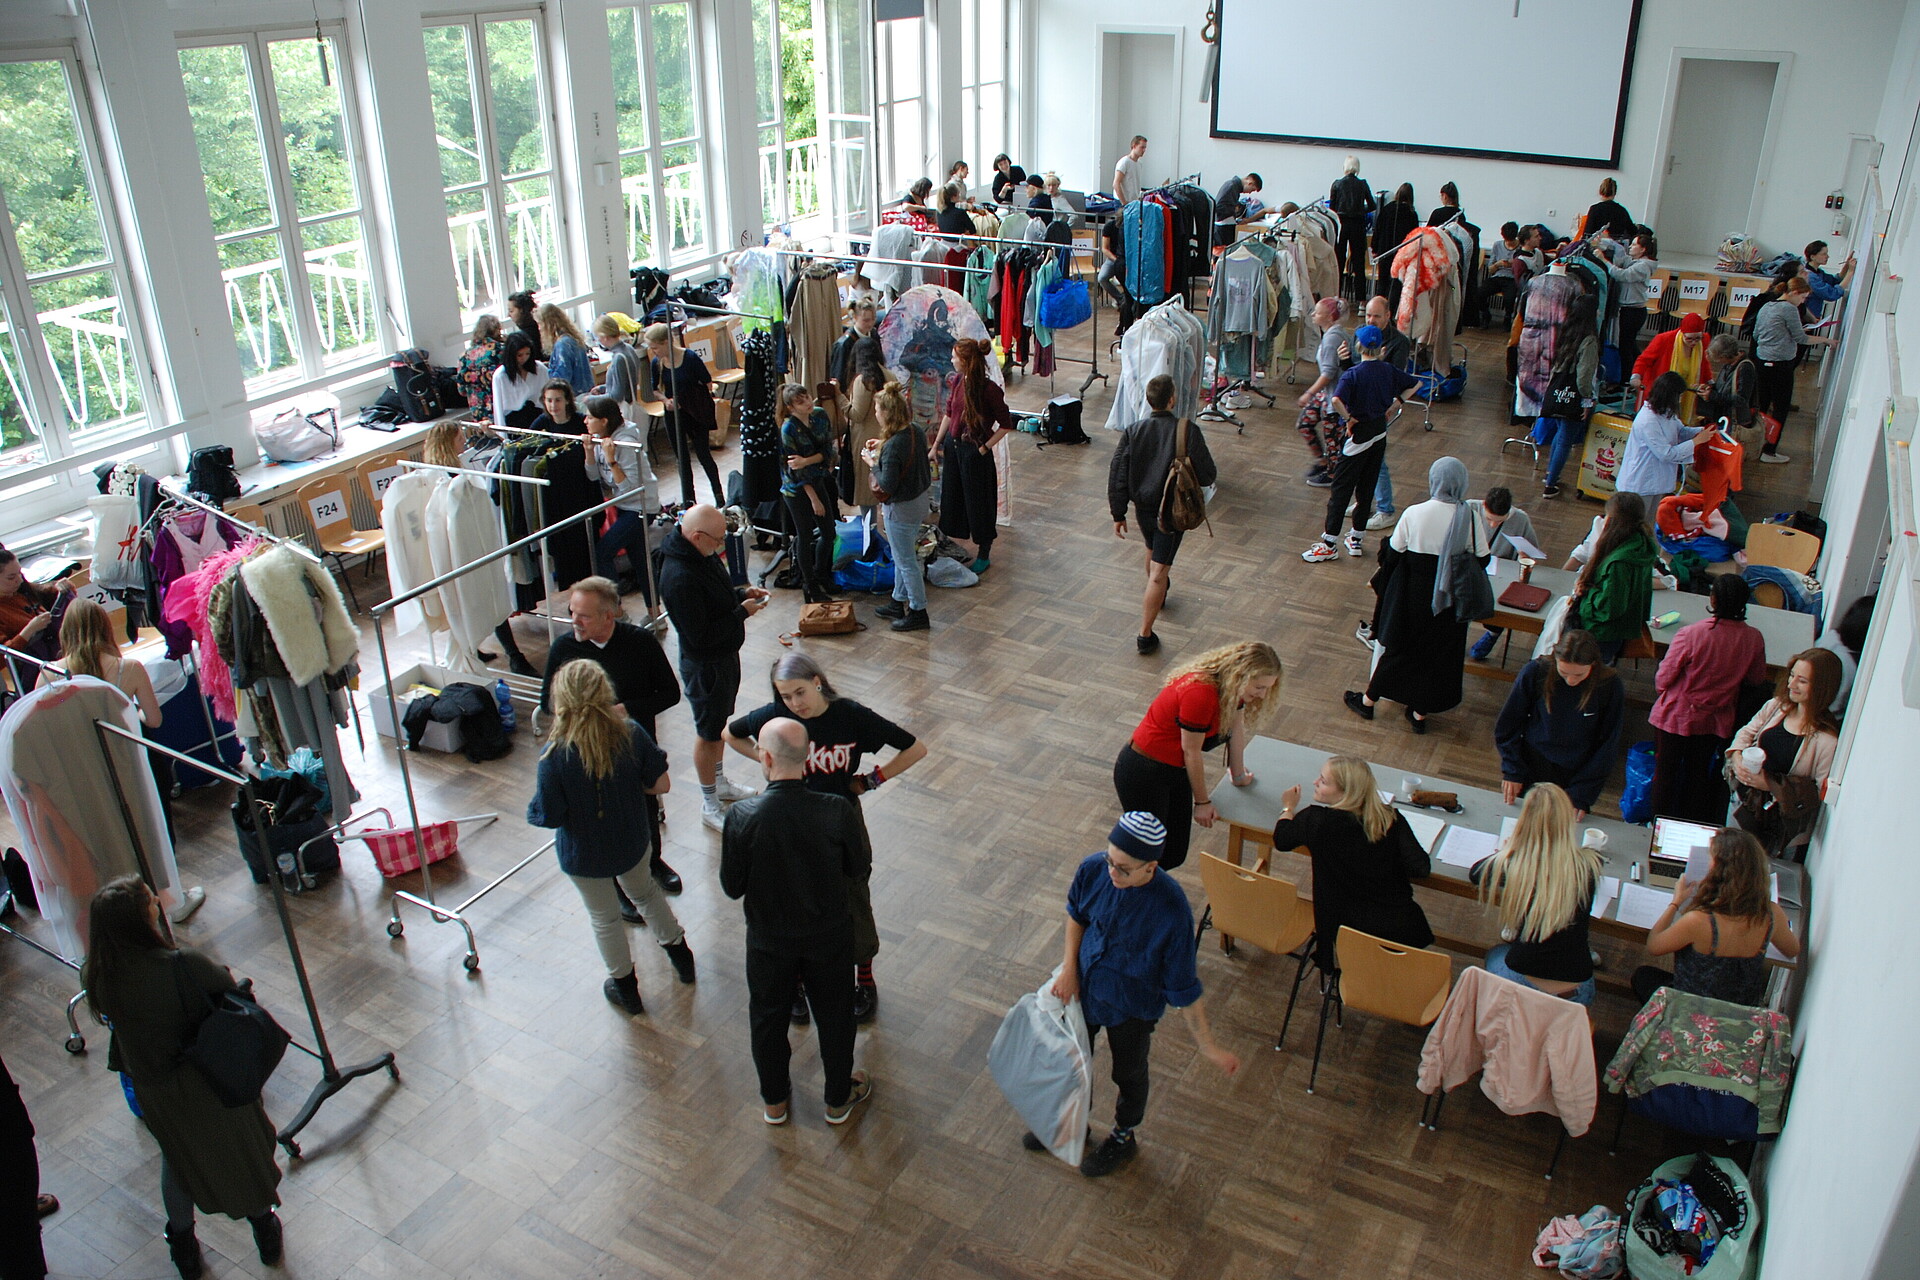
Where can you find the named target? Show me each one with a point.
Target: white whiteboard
(1540, 80)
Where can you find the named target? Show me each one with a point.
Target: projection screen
(1537, 80)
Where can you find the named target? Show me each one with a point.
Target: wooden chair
(376, 473)
(1386, 979)
(1782, 547)
(249, 513)
(1264, 910)
(1741, 291)
(1659, 299)
(1696, 292)
(328, 503)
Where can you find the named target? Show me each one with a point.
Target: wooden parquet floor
(539, 1133)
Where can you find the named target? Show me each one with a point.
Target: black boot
(890, 610)
(682, 957)
(669, 879)
(185, 1249)
(628, 912)
(914, 620)
(268, 1237)
(624, 994)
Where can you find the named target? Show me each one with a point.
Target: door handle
(1672, 161)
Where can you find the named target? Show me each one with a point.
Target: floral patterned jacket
(1678, 1038)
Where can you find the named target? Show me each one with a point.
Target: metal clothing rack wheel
(333, 1078)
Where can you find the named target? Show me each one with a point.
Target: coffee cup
(1593, 838)
(1756, 758)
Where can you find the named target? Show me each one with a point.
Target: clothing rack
(455, 914)
(411, 465)
(888, 262)
(266, 535)
(332, 1078)
(1215, 411)
(955, 235)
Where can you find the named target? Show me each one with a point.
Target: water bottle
(503, 698)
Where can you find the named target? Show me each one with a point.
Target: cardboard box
(438, 736)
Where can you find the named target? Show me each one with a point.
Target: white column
(406, 206)
(589, 152)
(733, 130)
(147, 137)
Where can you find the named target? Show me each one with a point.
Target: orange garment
(1662, 355)
(1718, 462)
(1534, 1052)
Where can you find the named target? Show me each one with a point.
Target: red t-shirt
(1189, 703)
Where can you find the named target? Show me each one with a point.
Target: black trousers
(969, 494)
(1162, 790)
(691, 437)
(1351, 248)
(771, 976)
(1631, 318)
(21, 1256)
(1685, 783)
(814, 539)
(1354, 478)
(1774, 394)
(1129, 1042)
(1540, 769)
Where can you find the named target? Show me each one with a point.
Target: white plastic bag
(118, 562)
(1552, 625)
(1043, 1062)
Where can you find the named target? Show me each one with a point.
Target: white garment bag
(403, 517)
(462, 526)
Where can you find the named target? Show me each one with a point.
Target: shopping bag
(1772, 427)
(1711, 1196)
(1043, 1062)
(1065, 304)
(1636, 798)
(396, 852)
(1552, 625)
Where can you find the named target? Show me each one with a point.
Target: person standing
(594, 775)
(807, 488)
(1544, 884)
(975, 420)
(155, 996)
(1333, 355)
(1396, 350)
(1393, 223)
(1449, 209)
(1613, 595)
(1608, 215)
(1365, 395)
(1576, 363)
(617, 457)
(1561, 724)
(1681, 351)
(858, 369)
(22, 1204)
(478, 362)
(1422, 645)
(1699, 681)
(792, 856)
(1229, 214)
(1351, 202)
(524, 312)
(1219, 697)
(627, 379)
(686, 388)
(1126, 171)
(1659, 444)
(903, 485)
(1778, 336)
(643, 683)
(710, 614)
(566, 348)
(1128, 955)
(1643, 258)
(841, 732)
(1365, 859)
(1137, 475)
(1824, 285)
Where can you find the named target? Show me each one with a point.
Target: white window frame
(313, 369)
(492, 183)
(773, 159)
(893, 185)
(51, 486)
(975, 90)
(655, 147)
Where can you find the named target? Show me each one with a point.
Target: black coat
(1424, 654)
(704, 604)
(794, 855)
(1364, 884)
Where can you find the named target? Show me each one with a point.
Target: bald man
(710, 614)
(793, 855)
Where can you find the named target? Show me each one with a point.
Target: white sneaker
(1776, 458)
(1353, 545)
(713, 817)
(1383, 520)
(190, 902)
(1320, 552)
(726, 791)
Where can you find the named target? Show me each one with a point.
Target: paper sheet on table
(1641, 906)
(1426, 828)
(1524, 547)
(1604, 893)
(1507, 824)
(1386, 798)
(1464, 846)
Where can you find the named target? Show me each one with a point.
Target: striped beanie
(1139, 835)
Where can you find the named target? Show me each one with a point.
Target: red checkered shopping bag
(395, 853)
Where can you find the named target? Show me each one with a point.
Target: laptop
(1679, 848)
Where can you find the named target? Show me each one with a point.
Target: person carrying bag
(1043, 1062)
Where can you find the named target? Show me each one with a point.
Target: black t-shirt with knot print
(837, 738)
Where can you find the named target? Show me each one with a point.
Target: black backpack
(210, 474)
(417, 383)
(1062, 425)
(649, 288)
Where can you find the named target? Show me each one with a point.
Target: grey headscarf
(1447, 482)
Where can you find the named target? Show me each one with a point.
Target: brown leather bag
(1183, 503)
(829, 618)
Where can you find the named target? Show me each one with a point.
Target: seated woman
(1718, 930)
(1795, 730)
(1544, 883)
(1613, 594)
(1561, 723)
(1365, 858)
(29, 612)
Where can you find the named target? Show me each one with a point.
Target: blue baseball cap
(1369, 335)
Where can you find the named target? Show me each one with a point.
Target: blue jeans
(627, 533)
(1497, 965)
(903, 531)
(1383, 490)
(1567, 436)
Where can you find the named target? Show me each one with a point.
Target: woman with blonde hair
(1365, 858)
(974, 421)
(627, 379)
(1718, 930)
(686, 386)
(1217, 698)
(1544, 885)
(593, 779)
(566, 348)
(903, 483)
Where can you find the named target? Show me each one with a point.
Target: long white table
(1251, 812)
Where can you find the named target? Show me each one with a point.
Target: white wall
(1842, 1190)
(1841, 56)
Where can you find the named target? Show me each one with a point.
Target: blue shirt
(568, 362)
(1136, 957)
(1368, 390)
(1656, 448)
(602, 826)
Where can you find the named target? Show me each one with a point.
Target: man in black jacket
(1138, 475)
(710, 614)
(643, 684)
(793, 854)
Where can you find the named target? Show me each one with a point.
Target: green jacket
(1620, 594)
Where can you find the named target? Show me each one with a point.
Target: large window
(491, 117)
(900, 78)
(792, 175)
(656, 87)
(985, 130)
(278, 150)
(70, 357)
